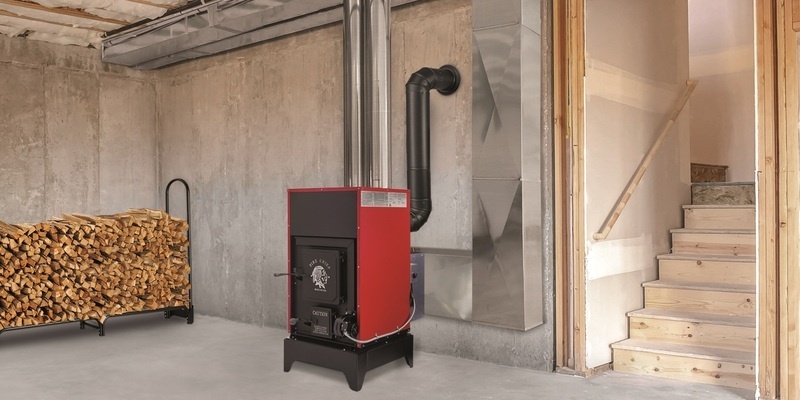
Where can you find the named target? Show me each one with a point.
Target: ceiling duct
(215, 27)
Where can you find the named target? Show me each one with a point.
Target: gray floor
(147, 357)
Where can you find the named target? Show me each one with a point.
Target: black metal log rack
(169, 312)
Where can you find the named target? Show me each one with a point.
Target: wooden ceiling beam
(71, 12)
(12, 15)
(147, 3)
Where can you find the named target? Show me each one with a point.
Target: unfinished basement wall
(721, 57)
(637, 66)
(77, 135)
(245, 126)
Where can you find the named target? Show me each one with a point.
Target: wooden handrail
(648, 158)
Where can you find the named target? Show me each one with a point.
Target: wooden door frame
(785, 218)
(767, 199)
(777, 192)
(570, 283)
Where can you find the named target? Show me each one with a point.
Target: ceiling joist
(63, 11)
(147, 3)
(12, 15)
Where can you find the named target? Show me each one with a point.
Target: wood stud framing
(788, 155)
(147, 3)
(12, 15)
(577, 133)
(62, 11)
(766, 189)
(778, 183)
(570, 226)
(82, 19)
(562, 302)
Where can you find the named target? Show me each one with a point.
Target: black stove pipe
(418, 135)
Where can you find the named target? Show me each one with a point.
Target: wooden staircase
(698, 323)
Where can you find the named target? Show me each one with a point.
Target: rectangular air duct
(508, 245)
(213, 27)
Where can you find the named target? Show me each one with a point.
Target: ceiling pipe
(353, 96)
(418, 135)
(377, 84)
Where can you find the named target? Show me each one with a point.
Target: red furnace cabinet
(349, 279)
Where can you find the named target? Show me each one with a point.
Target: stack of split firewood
(82, 267)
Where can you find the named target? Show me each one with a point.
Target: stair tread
(717, 319)
(706, 257)
(714, 231)
(702, 352)
(716, 287)
(720, 206)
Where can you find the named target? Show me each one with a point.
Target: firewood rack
(183, 312)
(169, 312)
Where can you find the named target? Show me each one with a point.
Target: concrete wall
(629, 91)
(241, 128)
(245, 126)
(77, 135)
(721, 48)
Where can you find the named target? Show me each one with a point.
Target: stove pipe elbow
(446, 81)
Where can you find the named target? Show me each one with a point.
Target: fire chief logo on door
(322, 269)
(320, 276)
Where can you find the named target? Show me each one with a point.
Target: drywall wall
(630, 89)
(721, 57)
(78, 135)
(244, 126)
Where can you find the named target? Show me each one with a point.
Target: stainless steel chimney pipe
(353, 94)
(377, 92)
(367, 96)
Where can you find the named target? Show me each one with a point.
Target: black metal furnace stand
(353, 363)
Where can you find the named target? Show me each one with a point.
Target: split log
(79, 267)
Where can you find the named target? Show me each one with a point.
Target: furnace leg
(355, 374)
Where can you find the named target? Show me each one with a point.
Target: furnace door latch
(294, 274)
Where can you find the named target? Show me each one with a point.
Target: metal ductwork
(418, 135)
(209, 27)
(509, 155)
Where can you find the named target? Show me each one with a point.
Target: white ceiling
(76, 22)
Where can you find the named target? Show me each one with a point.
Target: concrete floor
(148, 357)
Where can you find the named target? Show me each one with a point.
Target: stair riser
(685, 368)
(700, 301)
(728, 244)
(719, 218)
(723, 194)
(698, 271)
(694, 333)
